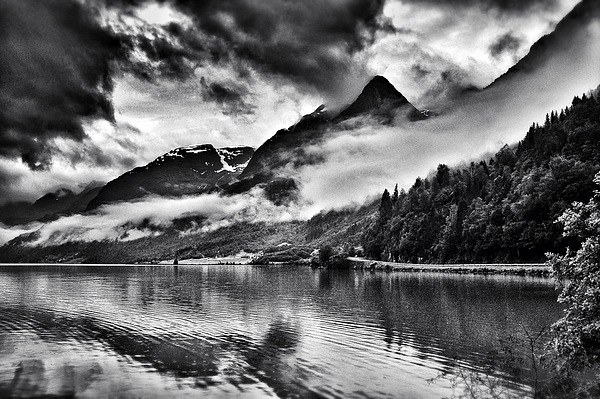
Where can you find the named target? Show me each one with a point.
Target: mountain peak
(380, 81)
(379, 97)
(380, 90)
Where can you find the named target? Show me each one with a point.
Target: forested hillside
(499, 210)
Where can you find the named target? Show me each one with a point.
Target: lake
(254, 331)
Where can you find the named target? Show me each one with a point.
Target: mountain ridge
(379, 102)
(50, 206)
(185, 170)
(563, 34)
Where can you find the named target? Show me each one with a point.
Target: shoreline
(518, 269)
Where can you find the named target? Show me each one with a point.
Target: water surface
(252, 331)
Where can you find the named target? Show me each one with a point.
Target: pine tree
(395, 195)
(442, 175)
(385, 207)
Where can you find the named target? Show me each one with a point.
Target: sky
(91, 89)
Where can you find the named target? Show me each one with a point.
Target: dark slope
(182, 171)
(569, 33)
(50, 206)
(287, 145)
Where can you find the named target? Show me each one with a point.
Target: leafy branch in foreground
(577, 333)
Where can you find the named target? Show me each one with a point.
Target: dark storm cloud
(57, 61)
(507, 43)
(310, 42)
(511, 6)
(420, 71)
(54, 71)
(229, 96)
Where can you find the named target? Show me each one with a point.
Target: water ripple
(249, 331)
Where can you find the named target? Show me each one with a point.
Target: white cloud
(149, 216)
(444, 38)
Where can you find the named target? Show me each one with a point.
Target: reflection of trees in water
(324, 279)
(30, 377)
(474, 313)
(456, 316)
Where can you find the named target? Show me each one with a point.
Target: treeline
(499, 210)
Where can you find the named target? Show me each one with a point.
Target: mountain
(570, 53)
(50, 206)
(379, 100)
(287, 145)
(182, 171)
(499, 210)
(502, 209)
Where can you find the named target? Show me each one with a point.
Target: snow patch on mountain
(228, 154)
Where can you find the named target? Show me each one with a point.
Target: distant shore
(226, 260)
(520, 269)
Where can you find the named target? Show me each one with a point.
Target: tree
(385, 207)
(577, 333)
(395, 195)
(325, 253)
(442, 176)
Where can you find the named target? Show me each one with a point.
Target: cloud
(55, 72)
(8, 233)
(106, 151)
(59, 58)
(65, 65)
(153, 215)
(311, 43)
(456, 36)
(364, 158)
(507, 43)
(231, 97)
(420, 71)
(505, 6)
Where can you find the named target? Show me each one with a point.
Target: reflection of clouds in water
(275, 359)
(44, 369)
(77, 370)
(193, 361)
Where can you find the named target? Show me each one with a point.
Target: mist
(151, 216)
